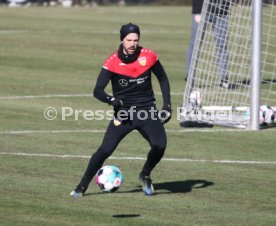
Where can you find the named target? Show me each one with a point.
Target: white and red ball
(109, 178)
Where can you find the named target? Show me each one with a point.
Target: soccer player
(129, 70)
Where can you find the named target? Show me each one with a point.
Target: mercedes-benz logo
(123, 82)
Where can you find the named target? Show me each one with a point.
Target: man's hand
(165, 114)
(198, 18)
(116, 103)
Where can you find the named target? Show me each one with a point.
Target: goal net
(218, 86)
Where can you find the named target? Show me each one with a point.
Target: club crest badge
(142, 61)
(117, 122)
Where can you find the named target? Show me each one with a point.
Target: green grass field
(49, 52)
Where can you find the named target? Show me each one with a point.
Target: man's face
(130, 43)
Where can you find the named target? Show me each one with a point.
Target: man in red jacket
(129, 70)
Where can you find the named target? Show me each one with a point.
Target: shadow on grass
(169, 187)
(182, 186)
(126, 215)
(175, 186)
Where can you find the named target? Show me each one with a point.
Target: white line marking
(44, 96)
(139, 158)
(66, 95)
(105, 32)
(103, 131)
(52, 131)
(12, 31)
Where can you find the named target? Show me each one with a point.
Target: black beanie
(127, 29)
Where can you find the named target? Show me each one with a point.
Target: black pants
(152, 130)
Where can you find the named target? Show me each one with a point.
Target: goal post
(256, 63)
(233, 65)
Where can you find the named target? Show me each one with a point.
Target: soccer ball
(195, 98)
(109, 178)
(267, 114)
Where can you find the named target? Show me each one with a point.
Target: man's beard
(129, 50)
(129, 57)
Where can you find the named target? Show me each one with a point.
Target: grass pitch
(46, 53)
